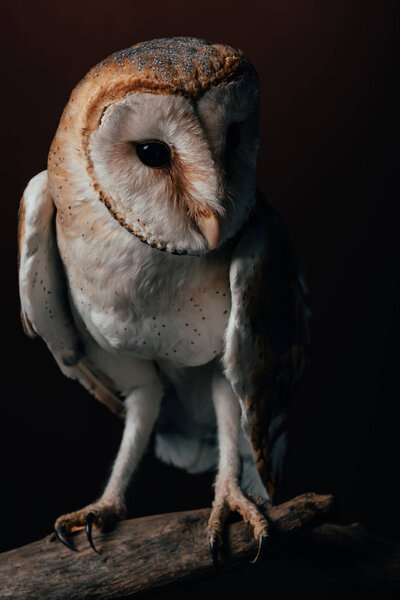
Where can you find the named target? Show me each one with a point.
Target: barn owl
(148, 262)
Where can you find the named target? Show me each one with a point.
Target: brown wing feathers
(273, 332)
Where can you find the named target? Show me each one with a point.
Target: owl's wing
(45, 308)
(267, 338)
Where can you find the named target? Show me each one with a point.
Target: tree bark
(151, 554)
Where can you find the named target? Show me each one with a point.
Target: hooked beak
(210, 227)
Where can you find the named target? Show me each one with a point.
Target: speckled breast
(187, 329)
(190, 332)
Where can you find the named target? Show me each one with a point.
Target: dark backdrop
(328, 164)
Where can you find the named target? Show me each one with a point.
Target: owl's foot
(104, 514)
(263, 504)
(229, 497)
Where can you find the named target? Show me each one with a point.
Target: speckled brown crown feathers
(185, 66)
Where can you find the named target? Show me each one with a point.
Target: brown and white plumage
(268, 334)
(140, 275)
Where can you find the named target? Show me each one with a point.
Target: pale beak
(210, 227)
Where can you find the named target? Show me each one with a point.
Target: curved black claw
(60, 535)
(263, 542)
(214, 553)
(90, 519)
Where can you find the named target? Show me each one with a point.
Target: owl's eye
(153, 153)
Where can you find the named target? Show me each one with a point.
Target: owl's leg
(228, 493)
(250, 480)
(142, 406)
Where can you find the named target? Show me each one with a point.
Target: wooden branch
(149, 554)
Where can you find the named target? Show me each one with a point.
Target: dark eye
(232, 138)
(154, 154)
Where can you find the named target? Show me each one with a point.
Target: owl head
(165, 136)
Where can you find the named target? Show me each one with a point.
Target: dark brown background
(328, 164)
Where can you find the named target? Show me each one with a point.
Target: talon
(88, 528)
(214, 553)
(60, 535)
(263, 542)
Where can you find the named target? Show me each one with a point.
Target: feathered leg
(228, 494)
(142, 406)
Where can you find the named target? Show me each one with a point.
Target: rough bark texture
(150, 554)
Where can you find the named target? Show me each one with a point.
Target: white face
(163, 161)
